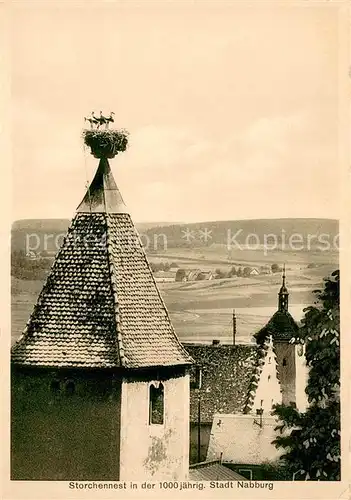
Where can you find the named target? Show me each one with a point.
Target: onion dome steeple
(281, 326)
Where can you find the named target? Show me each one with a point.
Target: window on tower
(156, 404)
(284, 362)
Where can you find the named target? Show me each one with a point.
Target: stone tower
(100, 384)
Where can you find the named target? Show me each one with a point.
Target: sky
(232, 109)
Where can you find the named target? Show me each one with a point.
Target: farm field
(202, 310)
(218, 255)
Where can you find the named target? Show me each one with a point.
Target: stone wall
(65, 426)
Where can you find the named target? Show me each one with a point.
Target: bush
(275, 268)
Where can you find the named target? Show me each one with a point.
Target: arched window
(156, 404)
(284, 362)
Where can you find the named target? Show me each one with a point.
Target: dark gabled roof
(229, 378)
(100, 306)
(281, 326)
(213, 471)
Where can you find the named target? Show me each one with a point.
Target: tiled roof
(229, 375)
(281, 326)
(213, 471)
(100, 306)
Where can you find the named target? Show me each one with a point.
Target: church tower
(291, 366)
(100, 383)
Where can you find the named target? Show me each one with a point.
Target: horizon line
(170, 222)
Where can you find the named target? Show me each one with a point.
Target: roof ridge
(119, 338)
(205, 463)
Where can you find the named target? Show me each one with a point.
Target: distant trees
(246, 271)
(219, 274)
(232, 272)
(275, 268)
(202, 274)
(160, 266)
(23, 267)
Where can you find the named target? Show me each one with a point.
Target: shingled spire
(100, 306)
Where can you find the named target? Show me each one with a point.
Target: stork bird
(101, 119)
(91, 119)
(97, 119)
(110, 119)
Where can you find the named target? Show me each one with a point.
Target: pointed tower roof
(282, 325)
(103, 195)
(100, 306)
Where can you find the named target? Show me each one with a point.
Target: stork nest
(106, 143)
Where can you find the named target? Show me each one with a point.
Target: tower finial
(283, 295)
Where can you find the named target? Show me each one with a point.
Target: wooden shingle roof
(100, 306)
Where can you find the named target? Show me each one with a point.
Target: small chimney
(215, 342)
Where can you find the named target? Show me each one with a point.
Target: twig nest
(106, 143)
